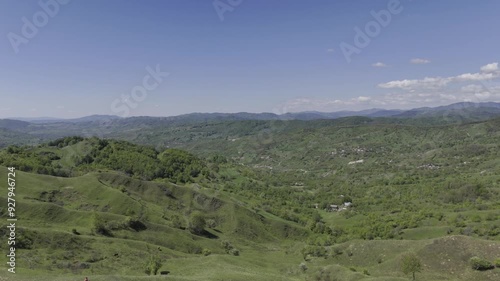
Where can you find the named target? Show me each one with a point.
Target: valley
(252, 199)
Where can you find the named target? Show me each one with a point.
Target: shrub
(99, 225)
(314, 251)
(303, 267)
(153, 265)
(410, 263)
(234, 252)
(25, 240)
(211, 223)
(135, 224)
(176, 222)
(497, 263)
(206, 252)
(197, 222)
(480, 264)
(476, 218)
(226, 245)
(491, 217)
(337, 251)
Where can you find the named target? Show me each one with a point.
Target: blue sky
(88, 57)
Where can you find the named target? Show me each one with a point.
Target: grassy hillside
(57, 234)
(251, 201)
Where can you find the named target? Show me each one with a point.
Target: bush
(476, 218)
(303, 267)
(314, 251)
(197, 222)
(229, 248)
(337, 251)
(491, 217)
(410, 263)
(206, 252)
(497, 263)
(234, 252)
(153, 265)
(211, 223)
(176, 221)
(24, 240)
(135, 224)
(99, 225)
(480, 264)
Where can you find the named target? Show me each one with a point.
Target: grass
(267, 214)
(56, 250)
(263, 256)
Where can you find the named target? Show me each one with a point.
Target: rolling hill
(262, 191)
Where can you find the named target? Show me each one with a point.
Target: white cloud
(427, 82)
(439, 82)
(420, 61)
(476, 76)
(362, 99)
(392, 100)
(492, 67)
(403, 84)
(483, 95)
(411, 93)
(472, 88)
(379, 64)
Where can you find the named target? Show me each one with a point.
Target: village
(335, 208)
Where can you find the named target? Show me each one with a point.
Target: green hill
(251, 200)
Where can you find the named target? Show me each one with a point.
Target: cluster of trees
(141, 162)
(66, 141)
(34, 160)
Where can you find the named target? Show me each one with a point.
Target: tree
(152, 265)
(176, 221)
(410, 263)
(197, 222)
(99, 225)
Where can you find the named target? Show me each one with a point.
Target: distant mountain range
(90, 118)
(463, 110)
(189, 128)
